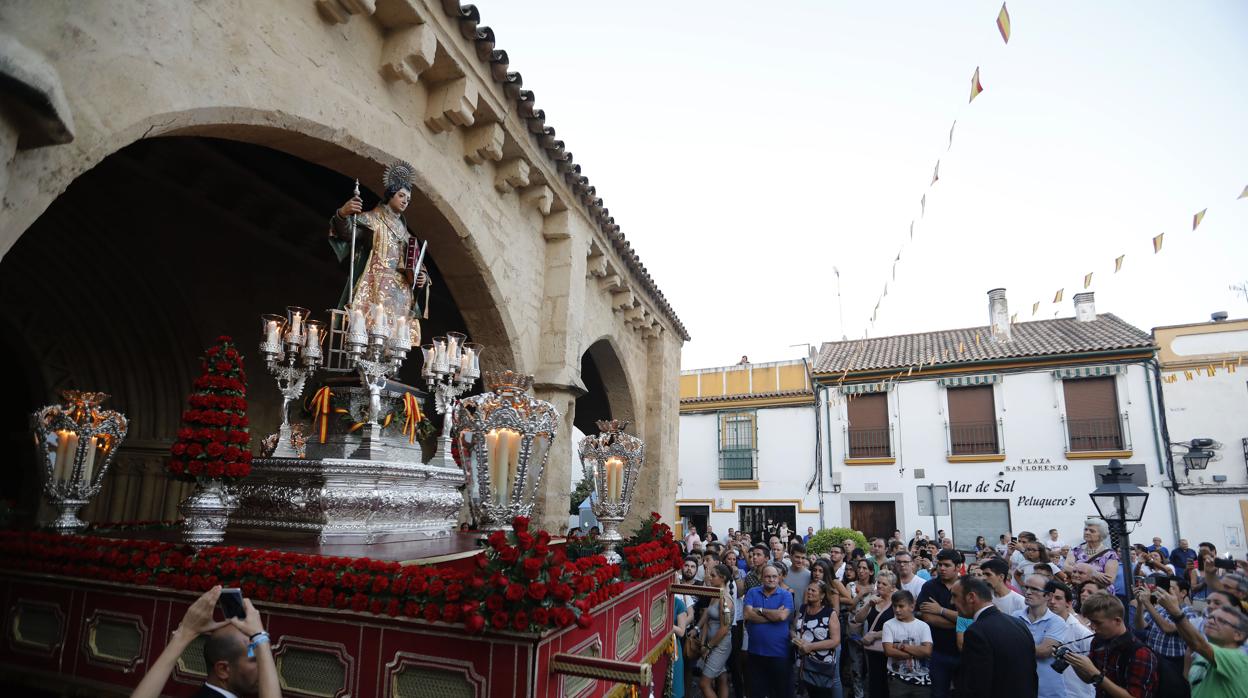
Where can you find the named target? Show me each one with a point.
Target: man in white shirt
(1078, 636)
(692, 540)
(1054, 543)
(1048, 630)
(906, 579)
(837, 553)
(1006, 600)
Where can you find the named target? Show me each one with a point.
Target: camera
(1059, 659)
(1224, 563)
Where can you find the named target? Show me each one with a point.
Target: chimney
(1085, 308)
(998, 315)
(1219, 316)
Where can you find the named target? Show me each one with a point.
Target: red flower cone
(214, 441)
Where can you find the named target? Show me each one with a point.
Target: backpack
(1170, 682)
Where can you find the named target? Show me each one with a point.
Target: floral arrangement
(521, 582)
(214, 443)
(651, 550)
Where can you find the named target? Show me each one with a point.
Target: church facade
(168, 172)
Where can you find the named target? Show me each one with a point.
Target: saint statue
(382, 279)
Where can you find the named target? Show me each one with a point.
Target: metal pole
(1119, 530)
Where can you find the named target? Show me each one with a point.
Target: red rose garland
(214, 442)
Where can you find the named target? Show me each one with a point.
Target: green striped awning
(964, 381)
(860, 388)
(1090, 371)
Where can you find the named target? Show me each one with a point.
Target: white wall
(1035, 468)
(786, 461)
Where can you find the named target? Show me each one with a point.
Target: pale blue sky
(746, 148)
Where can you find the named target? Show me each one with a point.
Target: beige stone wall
(350, 85)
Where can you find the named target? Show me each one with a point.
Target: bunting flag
(1187, 375)
(976, 88)
(1003, 23)
(1035, 308)
(911, 230)
(1243, 194)
(412, 416)
(1014, 318)
(922, 205)
(1196, 219)
(936, 176)
(1157, 243)
(1057, 297)
(955, 124)
(1118, 263)
(961, 347)
(894, 271)
(976, 339)
(1087, 280)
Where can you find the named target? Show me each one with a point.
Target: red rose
(541, 616)
(509, 555)
(214, 450)
(537, 591)
(474, 622)
(499, 620)
(520, 621)
(195, 467)
(515, 592)
(450, 614)
(178, 449)
(494, 602)
(432, 613)
(585, 620)
(453, 591)
(564, 617)
(524, 540)
(194, 450)
(520, 523)
(215, 469)
(532, 567)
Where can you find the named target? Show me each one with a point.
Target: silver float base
(346, 501)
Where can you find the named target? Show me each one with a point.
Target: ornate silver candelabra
(505, 438)
(291, 349)
(452, 365)
(76, 441)
(611, 460)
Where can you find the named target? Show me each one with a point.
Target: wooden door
(874, 519)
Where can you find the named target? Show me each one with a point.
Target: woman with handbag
(877, 611)
(817, 639)
(716, 631)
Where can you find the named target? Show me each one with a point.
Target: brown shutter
(1090, 398)
(971, 405)
(869, 411)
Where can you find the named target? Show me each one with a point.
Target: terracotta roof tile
(1029, 339)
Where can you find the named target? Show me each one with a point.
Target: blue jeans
(942, 668)
(770, 677)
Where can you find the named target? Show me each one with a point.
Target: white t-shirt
(914, 586)
(1010, 603)
(912, 670)
(1075, 687)
(1054, 545)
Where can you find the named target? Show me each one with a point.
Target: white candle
(497, 444)
(452, 348)
(380, 323)
(314, 339)
(88, 461)
(402, 337)
(615, 479)
(513, 459)
(296, 324)
(64, 454)
(271, 336)
(357, 323)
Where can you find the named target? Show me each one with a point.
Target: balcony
(975, 442)
(1100, 437)
(738, 469)
(869, 446)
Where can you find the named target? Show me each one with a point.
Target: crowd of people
(1024, 616)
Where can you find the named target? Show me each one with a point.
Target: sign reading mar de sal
(1003, 486)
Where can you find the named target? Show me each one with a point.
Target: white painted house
(1014, 418)
(747, 447)
(1205, 388)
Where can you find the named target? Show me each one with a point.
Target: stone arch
(609, 390)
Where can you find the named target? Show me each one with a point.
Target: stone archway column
(551, 512)
(659, 427)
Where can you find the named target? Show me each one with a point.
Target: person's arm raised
(198, 620)
(268, 684)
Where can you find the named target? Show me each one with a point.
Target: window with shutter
(972, 421)
(1092, 421)
(738, 443)
(868, 426)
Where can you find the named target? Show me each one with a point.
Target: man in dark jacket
(998, 653)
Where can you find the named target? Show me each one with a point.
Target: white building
(1206, 397)
(1014, 418)
(747, 448)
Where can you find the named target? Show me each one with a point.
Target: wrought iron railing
(868, 443)
(974, 438)
(738, 464)
(1098, 434)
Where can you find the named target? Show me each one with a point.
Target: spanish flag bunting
(976, 88)
(976, 339)
(1212, 370)
(1196, 219)
(1187, 375)
(1118, 263)
(1035, 308)
(1243, 194)
(955, 124)
(1057, 297)
(911, 230)
(1087, 280)
(1003, 23)
(936, 173)
(1014, 318)
(922, 204)
(1157, 243)
(909, 371)
(961, 347)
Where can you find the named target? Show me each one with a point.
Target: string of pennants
(1209, 371)
(977, 88)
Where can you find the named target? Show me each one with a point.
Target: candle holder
(76, 441)
(612, 459)
(290, 361)
(452, 366)
(505, 436)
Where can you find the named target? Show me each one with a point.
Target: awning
(1090, 371)
(964, 381)
(860, 388)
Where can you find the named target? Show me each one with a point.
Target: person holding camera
(1117, 665)
(1219, 668)
(1160, 632)
(1078, 637)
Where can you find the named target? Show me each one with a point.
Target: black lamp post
(1120, 502)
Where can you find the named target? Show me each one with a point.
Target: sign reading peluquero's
(1002, 486)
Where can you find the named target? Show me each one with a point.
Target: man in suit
(998, 654)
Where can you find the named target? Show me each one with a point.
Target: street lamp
(1120, 502)
(1198, 455)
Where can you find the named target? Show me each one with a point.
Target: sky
(749, 149)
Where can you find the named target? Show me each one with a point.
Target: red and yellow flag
(1057, 297)
(1087, 280)
(1243, 194)
(1035, 308)
(977, 87)
(1118, 263)
(922, 205)
(936, 173)
(1157, 243)
(1196, 219)
(1003, 23)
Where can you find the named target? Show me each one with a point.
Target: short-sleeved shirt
(1010, 604)
(1052, 626)
(1080, 554)
(769, 639)
(944, 640)
(1080, 637)
(814, 627)
(914, 586)
(797, 581)
(911, 670)
(1227, 676)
